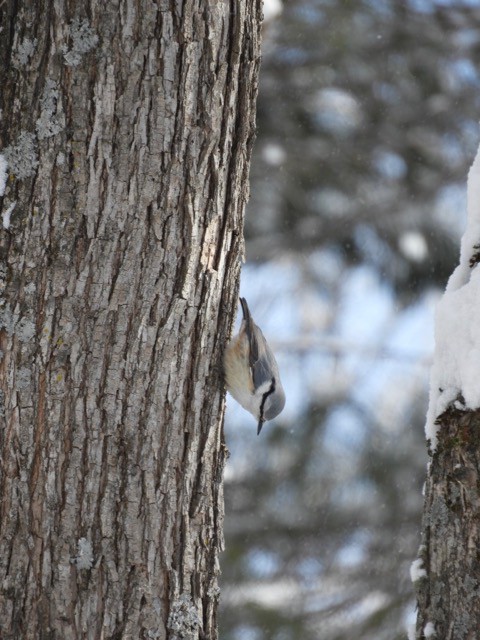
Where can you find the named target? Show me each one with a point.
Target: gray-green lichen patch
(30, 288)
(439, 513)
(23, 378)
(83, 39)
(24, 52)
(213, 591)
(461, 626)
(183, 620)
(51, 120)
(25, 330)
(22, 156)
(84, 557)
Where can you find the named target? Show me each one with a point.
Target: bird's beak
(260, 425)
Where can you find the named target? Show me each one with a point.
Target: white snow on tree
(456, 365)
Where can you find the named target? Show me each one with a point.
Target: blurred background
(367, 124)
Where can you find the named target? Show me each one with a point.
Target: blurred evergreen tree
(367, 118)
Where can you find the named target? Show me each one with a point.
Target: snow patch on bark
(7, 214)
(411, 631)
(417, 571)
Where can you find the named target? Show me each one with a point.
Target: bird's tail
(247, 316)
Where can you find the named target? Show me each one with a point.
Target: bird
(251, 371)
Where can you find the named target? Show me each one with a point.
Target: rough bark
(449, 592)
(127, 127)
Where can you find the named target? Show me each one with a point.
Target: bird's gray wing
(261, 359)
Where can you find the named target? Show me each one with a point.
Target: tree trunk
(127, 128)
(449, 585)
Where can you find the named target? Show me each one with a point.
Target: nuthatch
(251, 371)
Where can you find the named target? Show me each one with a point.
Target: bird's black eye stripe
(265, 396)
